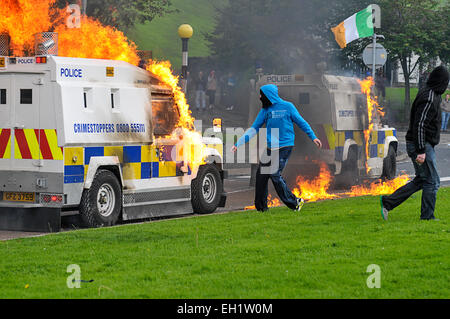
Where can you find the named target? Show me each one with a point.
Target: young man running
(279, 117)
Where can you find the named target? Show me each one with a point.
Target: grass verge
(161, 34)
(323, 252)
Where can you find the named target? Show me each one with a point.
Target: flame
(315, 189)
(192, 140)
(163, 70)
(95, 41)
(21, 19)
(271, 202)
(366, 88)
(372, 107)
(318, 188)
(379, 187)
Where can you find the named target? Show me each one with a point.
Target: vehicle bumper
(223, 197)
(32, 219)
(224, 174)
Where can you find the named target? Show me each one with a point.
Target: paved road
(442, 154)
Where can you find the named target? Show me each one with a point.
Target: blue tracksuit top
(280, 115)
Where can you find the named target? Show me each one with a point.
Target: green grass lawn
(396, 96)
(161, 34)
(323, 252)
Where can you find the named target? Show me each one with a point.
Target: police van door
(26, 118)
(5, 123)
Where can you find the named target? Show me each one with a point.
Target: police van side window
(115, 100)
(2, 96)
(26, 96)
(87, 97)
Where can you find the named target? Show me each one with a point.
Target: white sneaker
(300, 203)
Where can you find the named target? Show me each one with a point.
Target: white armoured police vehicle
(337, 111)
(91, 135)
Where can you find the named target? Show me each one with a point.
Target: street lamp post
(185, 32)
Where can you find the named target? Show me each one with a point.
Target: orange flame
(164, 73)
(95, 41)
(379, 187)
(366, 88)
(372, 107)
(21, 19)
(271, 202)
(317, 189)
(191, 139)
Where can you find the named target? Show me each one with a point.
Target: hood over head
(271, 92)
(264, 100)
(438, 80)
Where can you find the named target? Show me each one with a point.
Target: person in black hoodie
(423, 135)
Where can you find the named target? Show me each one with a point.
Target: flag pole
(374, 55)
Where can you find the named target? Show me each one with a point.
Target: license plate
(18, 197)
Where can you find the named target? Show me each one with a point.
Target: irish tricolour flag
(359, 25)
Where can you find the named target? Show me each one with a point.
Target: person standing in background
(211, 89)
(200, 88)
(380, 83)
(230, 89)
(445, 112)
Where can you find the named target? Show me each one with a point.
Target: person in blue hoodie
(279, 117)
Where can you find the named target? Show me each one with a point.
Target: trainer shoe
(300, 203)
(384, 211)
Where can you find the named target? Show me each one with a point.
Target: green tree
(413, 27)
(444, 47)
(280, 35)
(123, 14)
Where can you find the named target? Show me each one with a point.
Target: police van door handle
(39, 81)
(19, 127)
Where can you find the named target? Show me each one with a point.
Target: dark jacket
(200, 83)
(426, 115)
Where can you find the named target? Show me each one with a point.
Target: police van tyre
(102, 203)
(206, 190)
(390, 164)
(350, 175)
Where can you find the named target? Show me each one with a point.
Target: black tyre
(206, 190)
(390, 164)
(349, 174)
(101, 205)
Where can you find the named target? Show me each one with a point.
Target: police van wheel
(206, 190)
(349, 175)
(102, 203)
(390, 164)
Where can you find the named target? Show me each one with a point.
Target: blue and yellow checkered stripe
(341, 137)
(377, 141)
(138, 162)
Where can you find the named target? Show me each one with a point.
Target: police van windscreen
(165, 117)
